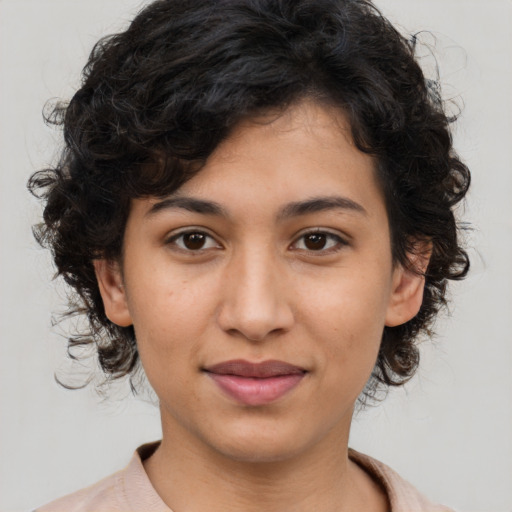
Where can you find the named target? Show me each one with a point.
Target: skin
(259, 289)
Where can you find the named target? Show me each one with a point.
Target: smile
(255, 383)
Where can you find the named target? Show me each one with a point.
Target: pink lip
(255, 383)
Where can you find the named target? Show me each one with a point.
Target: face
(260, 289)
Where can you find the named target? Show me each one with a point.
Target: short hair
(158, 98)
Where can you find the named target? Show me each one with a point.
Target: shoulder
(402, 495)
(101, 497)
(128, 489)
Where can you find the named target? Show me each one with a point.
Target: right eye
(193, 241)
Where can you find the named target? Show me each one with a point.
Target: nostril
(254, 327)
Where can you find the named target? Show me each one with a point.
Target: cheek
(346, 316)
(346, 344)
(168, 325)
(164, 302)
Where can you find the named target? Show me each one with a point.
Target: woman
(256, 203)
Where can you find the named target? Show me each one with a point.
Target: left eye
(193, 241)
(318, 241)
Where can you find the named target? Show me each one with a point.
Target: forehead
(279, 160)
(305, 127)
(307, 149)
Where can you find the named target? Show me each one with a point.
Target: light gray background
(449, 431)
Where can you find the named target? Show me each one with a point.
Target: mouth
(255, 383)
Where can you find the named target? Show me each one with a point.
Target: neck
(188, 477)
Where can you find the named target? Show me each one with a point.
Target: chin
(260, 452)
(261, 444)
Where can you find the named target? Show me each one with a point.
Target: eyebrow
(320, 204)
(190, 204)
(295, 209)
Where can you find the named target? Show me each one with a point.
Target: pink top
(130, 490)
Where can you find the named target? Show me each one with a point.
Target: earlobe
(407, 288)
(110, 283)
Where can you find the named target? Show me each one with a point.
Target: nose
(255, 298)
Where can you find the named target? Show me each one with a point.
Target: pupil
(315, 242)
(194, 241)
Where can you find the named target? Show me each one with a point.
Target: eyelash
(335, 241)
(173, 240)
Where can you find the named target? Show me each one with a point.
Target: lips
(255, 383)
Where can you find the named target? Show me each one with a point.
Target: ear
(110, 282)
(408, 285)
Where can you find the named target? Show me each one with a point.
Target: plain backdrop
(449, 431)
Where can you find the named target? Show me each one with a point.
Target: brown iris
(315, 241)
(194, 241)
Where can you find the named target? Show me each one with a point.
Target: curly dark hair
(157, 99)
